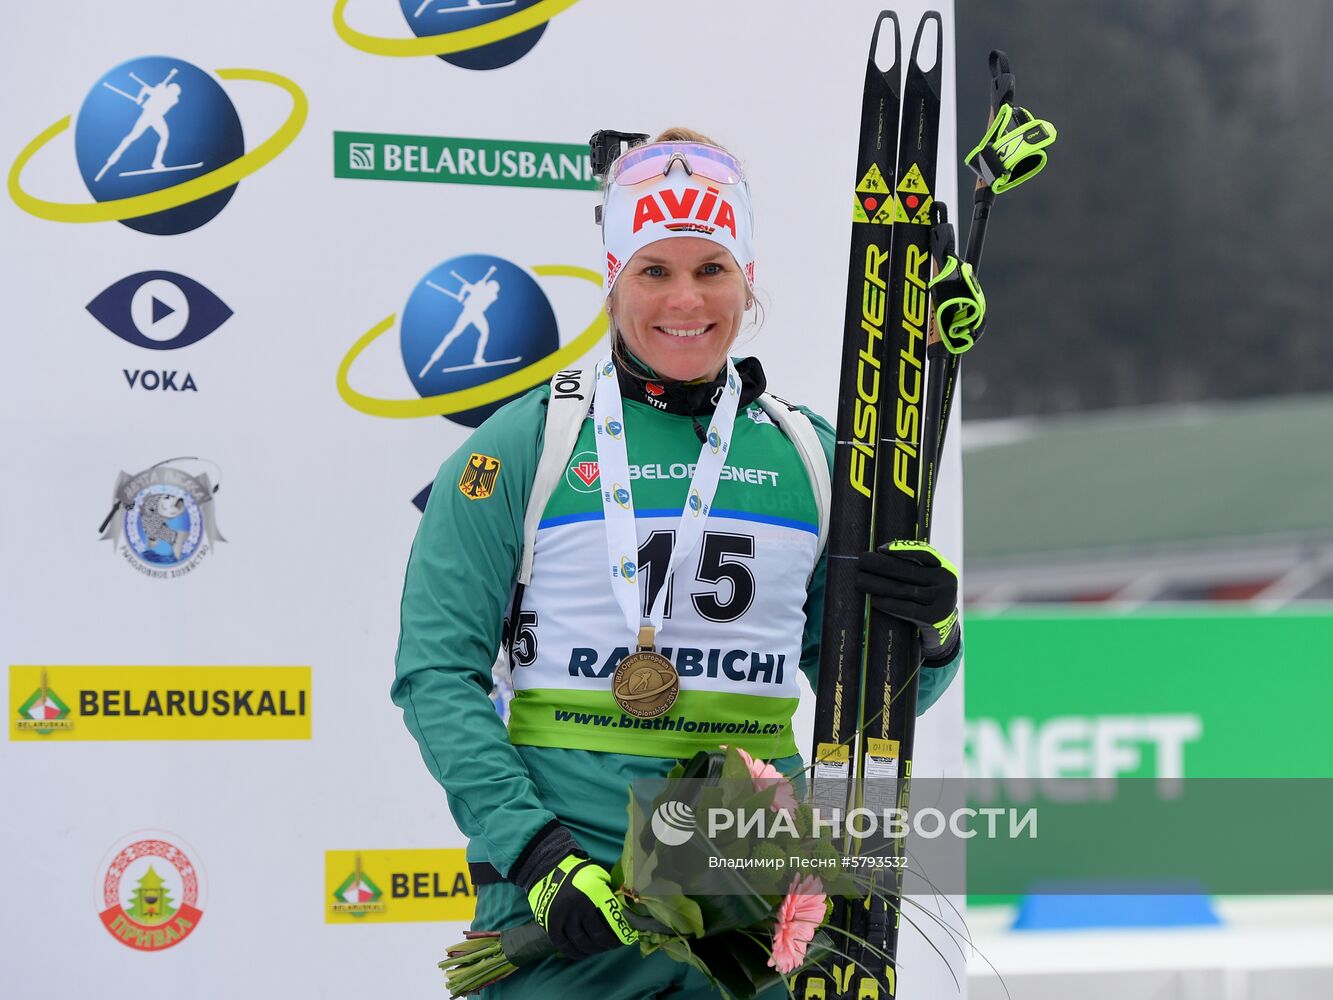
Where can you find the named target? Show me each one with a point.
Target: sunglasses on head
(644, 163)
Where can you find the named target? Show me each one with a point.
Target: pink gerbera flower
(764, 774)
(799, 916)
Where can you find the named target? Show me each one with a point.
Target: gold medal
(645, 683)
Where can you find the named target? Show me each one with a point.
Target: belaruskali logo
(472, 34)
(477, 331)
(159, 146)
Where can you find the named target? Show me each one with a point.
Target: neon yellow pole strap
(1013, 150)
(960, 305)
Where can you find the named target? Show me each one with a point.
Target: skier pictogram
(475, 297)
(470, 5)
(155, 100)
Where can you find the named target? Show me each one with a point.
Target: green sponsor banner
(378, 156)
(1184, 698)
(1227, 693)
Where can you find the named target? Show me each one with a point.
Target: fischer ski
(892, 649)
(913, 308)
(837, 714)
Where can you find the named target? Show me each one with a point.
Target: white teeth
(694, 332)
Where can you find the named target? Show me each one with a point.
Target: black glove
(571, 896)
(912, 581)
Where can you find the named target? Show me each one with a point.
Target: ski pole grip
(1003, 83)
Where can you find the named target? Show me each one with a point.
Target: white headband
(677, 204)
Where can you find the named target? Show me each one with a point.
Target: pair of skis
(893, 411)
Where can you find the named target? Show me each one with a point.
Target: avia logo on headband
(678, 206)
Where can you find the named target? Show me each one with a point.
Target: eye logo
(471, 34)
(477, 331)
(159, 310)
(160, 146)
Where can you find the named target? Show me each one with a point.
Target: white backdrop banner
(234, 235)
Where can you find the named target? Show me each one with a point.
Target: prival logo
(151, 894)
(659, 206)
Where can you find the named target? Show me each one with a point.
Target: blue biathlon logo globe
(428, 18)
(471, 320)
(153, 123)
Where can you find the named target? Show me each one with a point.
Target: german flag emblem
(478, 479)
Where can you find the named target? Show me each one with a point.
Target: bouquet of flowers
(744, 933)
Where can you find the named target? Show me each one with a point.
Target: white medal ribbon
(622, 539)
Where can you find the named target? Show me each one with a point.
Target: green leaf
(678, 912)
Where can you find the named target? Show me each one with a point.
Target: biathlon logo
(357, 894)
(44, 712)
(477, 331)
(583, 472)
(714, 440)
(151, 891)
(471, 34)
(673, 823)
(613, 427)
(163, 520)
(159, 146)
(695, 503)
(627, 569)
(621, 496)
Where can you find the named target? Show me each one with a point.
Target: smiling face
(679, 304)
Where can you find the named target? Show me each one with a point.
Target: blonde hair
(678, 133)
